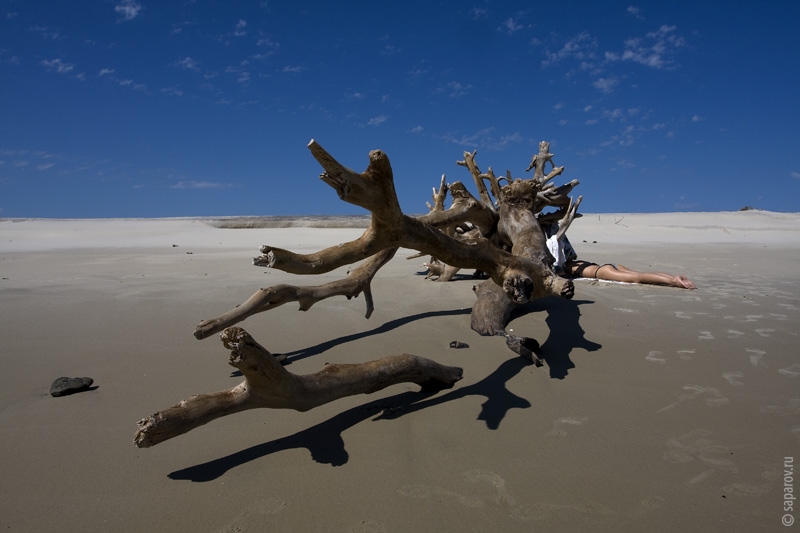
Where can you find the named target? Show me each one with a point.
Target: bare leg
(585, 269)
(622, 273)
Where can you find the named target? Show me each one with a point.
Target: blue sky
(145, 108)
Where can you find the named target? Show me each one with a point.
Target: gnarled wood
(267, 384)
(358, 280)
(500, 237)
(373, 189)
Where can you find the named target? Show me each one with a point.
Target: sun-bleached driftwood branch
(374, 190)
(357, 281)
(499, 234)
(267, 384)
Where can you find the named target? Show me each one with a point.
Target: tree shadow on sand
(565, 331)
(324, 441)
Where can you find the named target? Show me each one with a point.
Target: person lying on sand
(566, 260)
(617, 272)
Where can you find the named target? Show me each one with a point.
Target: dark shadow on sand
(566, 333)
(383, 328)
(325, 442)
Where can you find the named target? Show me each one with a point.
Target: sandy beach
(658, 409)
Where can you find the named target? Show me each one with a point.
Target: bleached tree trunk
(267, 384)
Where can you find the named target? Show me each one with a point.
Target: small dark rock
(65, 386)
(457, 344)
(174, 245)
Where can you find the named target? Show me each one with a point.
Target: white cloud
(419, 129)
(192, 184)
(587, 108)
(591, 121)
(292, 69)
(177, 28)
(58, 66)
(697, 118)
(188, 63)
(172, 91)
(477, 13)
(129, 9)
(635, 11)
(606, 85)
(582, 48)
(377, 121)
(240, 30)
(795, 175)
(457, 89)
(655, 50)
(45, 166)
(484, 138)
(46, 33)
(268, 43)
(104, 72)
(510, 26)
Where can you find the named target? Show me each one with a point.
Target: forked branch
(267, 384)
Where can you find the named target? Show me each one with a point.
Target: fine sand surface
(659, 409)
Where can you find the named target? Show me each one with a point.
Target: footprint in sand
(791, 371)
(653, 357)
(252, 517)
(713, 397)
(429, 491)
(698, 446)
(733, 378)
(546, 510)
(502, 497)
(705, 336)
(792, 408)
(764, 332)
(733, 334)
(746, 489)
(560, 425)
(686, 354)
(756, 357)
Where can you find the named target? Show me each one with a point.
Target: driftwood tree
(498, 234)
